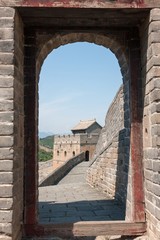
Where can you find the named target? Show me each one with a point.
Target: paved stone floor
(73, 200)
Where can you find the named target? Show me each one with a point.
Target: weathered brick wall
(113, 122)
(111, 170)
(11, 125)
(150, 46)
(102, 173)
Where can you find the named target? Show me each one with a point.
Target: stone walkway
(73, 200)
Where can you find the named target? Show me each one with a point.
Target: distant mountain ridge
(45, 134)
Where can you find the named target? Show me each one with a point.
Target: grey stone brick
(6, 105)
(152, 153)
(6, 33)
(6, 228)
(6, 153)
(154, 72)
(157, 213)
(156, 189)
(7, 70)
(156, 82)
(156, 178)
(6, 46)
(155, 130)
(7, 12)
(158, 141)
(6, 93)
(6, 141)
(6, 128)
(6, 203)
(155, 141)
(148, 175)
(6, 82)
(6, 165)
(150, 207)
(146, 101)
(155, 48)
(155, 95)
(6, 177)
(154, 61)
(155, 107)
(156, 166)
(6, 116)
(149, 185)
(155, 15)
(6, 216)
(154, 26)
(154, 37)
(6, 190)
(155, 118)
(6, 58)
(157, 201)
(6, 22)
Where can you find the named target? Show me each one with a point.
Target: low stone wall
(60, 172)
(44, 169)
(46, 149)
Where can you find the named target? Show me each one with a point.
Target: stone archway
(121, 44)
(115, 42)
(29, 19)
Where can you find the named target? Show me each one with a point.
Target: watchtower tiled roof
(83, 125)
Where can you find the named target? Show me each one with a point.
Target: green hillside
(44, 156)
(47, 141)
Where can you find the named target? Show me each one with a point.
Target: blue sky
(78, 81)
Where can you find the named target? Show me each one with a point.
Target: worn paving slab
(73, 200)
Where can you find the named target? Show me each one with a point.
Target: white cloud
(55, 116)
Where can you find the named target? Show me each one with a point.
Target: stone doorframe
(126, 46)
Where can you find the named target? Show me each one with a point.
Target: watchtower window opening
(87, 155)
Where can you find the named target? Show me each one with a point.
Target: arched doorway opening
(120, 51)
(89, 38)
(81, 89)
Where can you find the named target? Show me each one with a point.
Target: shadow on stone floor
(71, 212)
